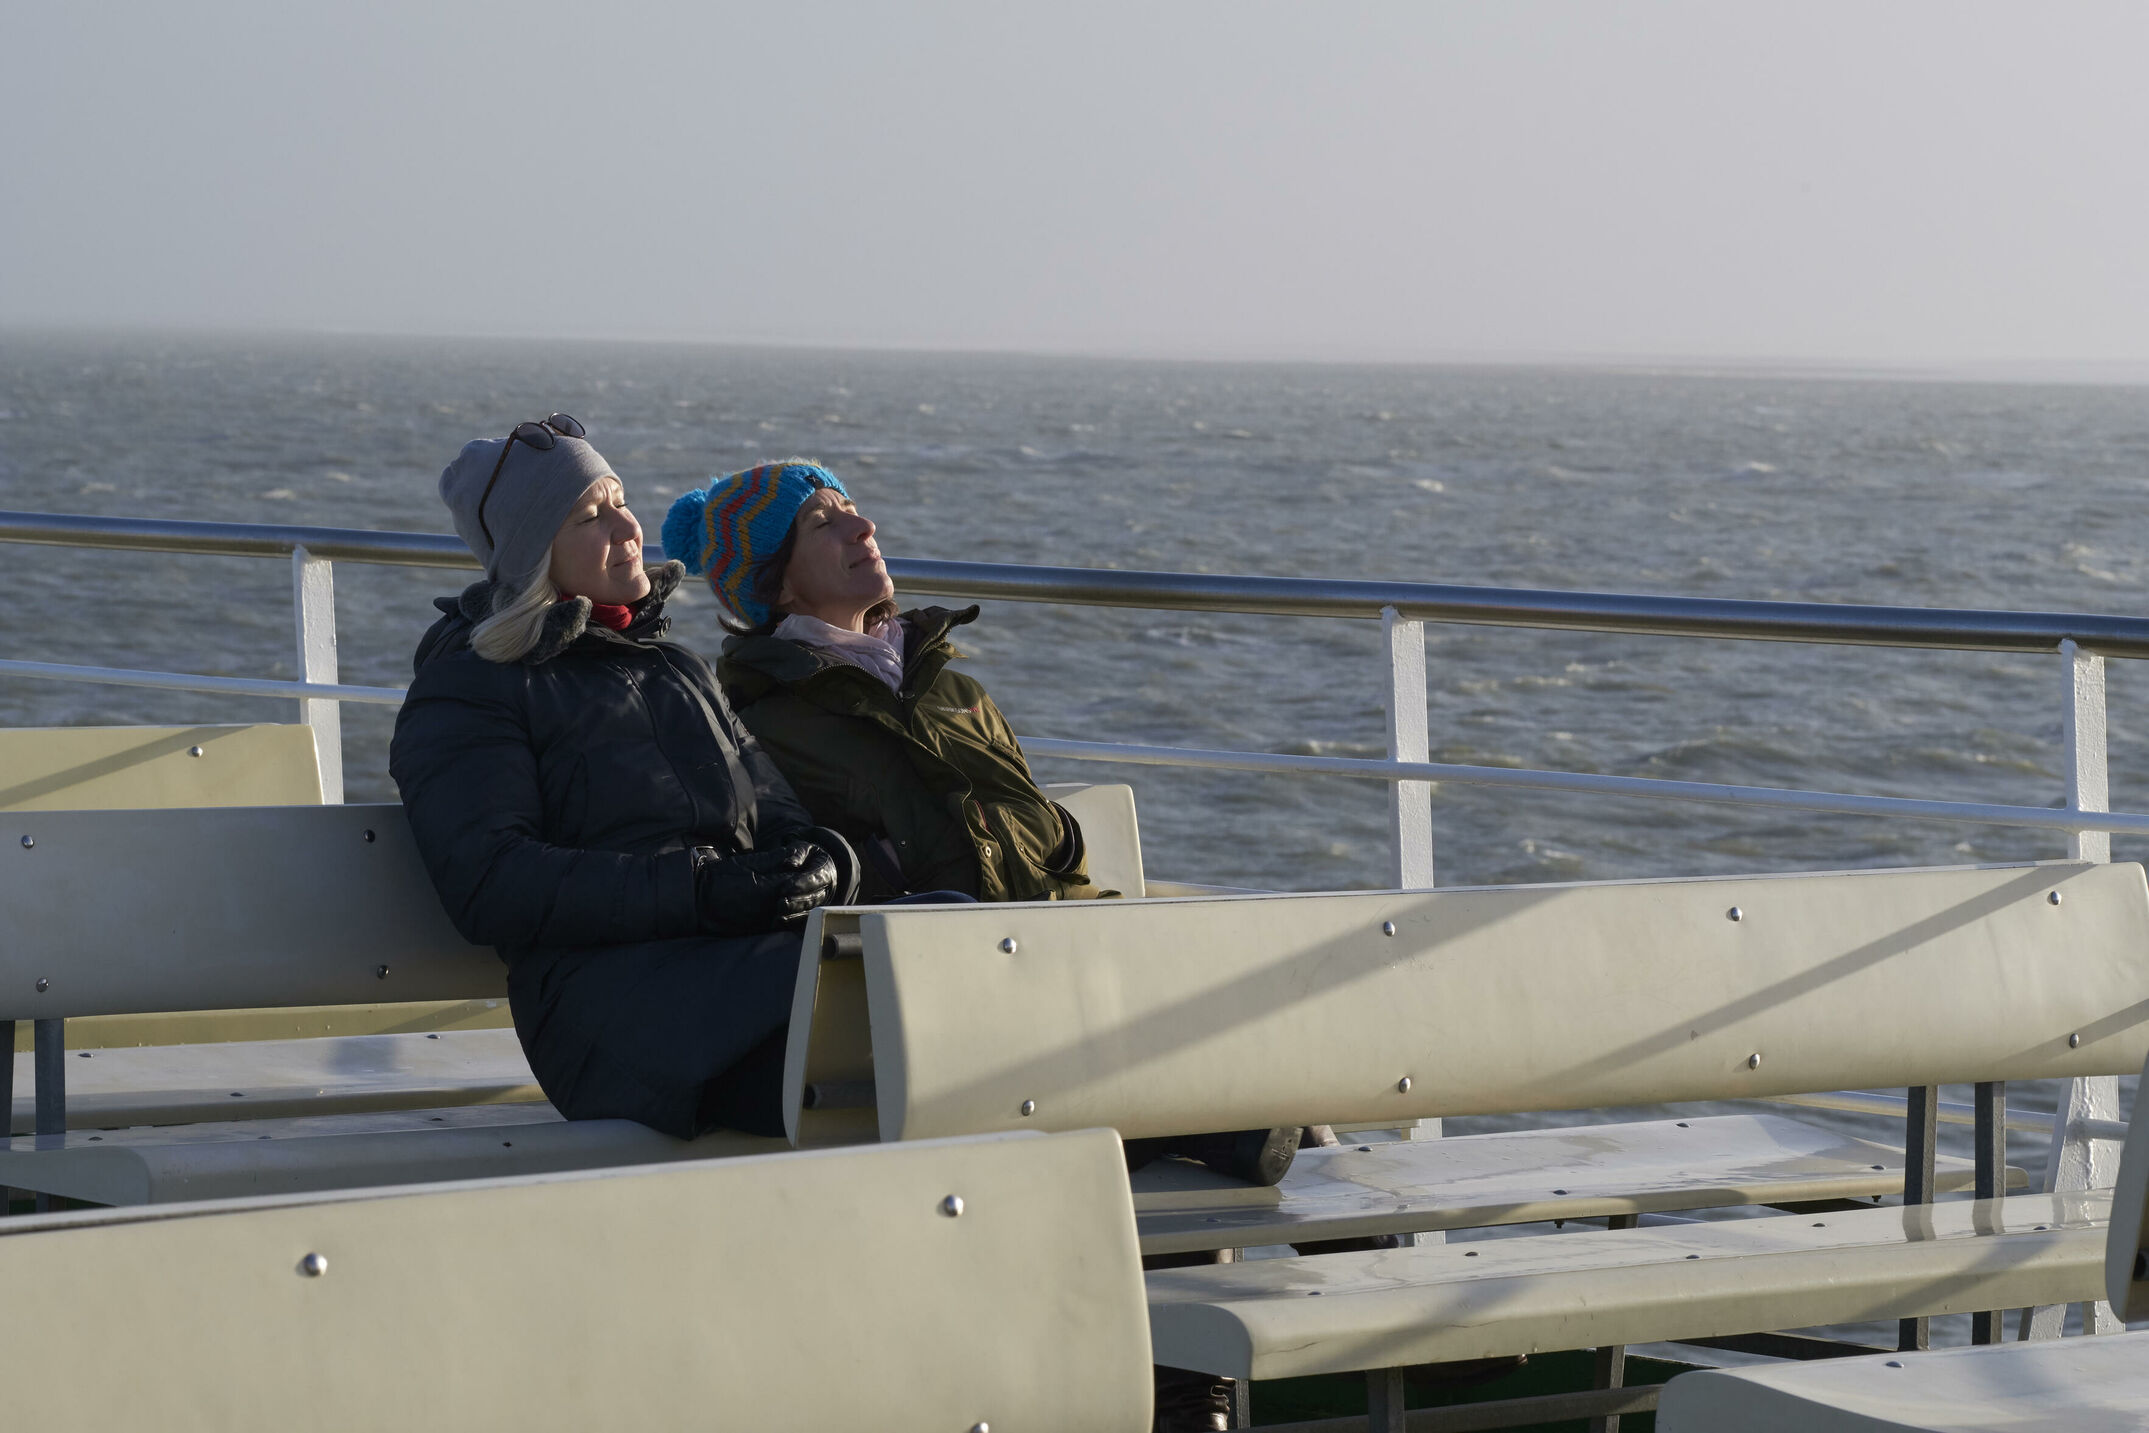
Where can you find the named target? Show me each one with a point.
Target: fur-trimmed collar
(568, 620)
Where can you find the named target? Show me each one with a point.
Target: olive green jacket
(928, 783)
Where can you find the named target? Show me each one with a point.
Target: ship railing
(2082, 1155)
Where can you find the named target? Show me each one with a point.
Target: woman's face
(835, 572)
(598, 553)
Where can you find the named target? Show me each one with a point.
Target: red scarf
(604, 614)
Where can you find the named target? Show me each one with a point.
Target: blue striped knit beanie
(728, 528)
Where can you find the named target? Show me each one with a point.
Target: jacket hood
(756, 661)
(565, 624)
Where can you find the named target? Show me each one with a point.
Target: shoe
(1364, 1244)
(1258, 1156)
(1190, 1402)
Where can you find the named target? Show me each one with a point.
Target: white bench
(2075, 1385)
(1380, 1008)
(134, 768)
(320, 909)
(134, 912)
(963, 1284)
(1372, 1009)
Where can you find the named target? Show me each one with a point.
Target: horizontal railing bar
(2036, 817)
(184, 682)
(1830, 623)
(2041, 818)
(236, 539)
(1845, 624)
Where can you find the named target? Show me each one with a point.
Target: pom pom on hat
(728, 528)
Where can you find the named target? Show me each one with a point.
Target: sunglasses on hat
(541, 436)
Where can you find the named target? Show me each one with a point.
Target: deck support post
(7, 1100)
(313, 603)
(1384, 1400)
(1921, 1155)
(1610, 1367)
(1991, 1181)
(49, 1038)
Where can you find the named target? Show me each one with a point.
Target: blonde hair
(517, 621)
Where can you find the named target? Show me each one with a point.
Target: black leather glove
(757, 891)
(849, 870)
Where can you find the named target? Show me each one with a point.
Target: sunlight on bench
(943, 1286)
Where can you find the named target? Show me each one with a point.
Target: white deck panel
(244, 1158)
(1516, 1177)
(805, 1292)
(189, 1084)
(2073, 1385)
(1281, 1318)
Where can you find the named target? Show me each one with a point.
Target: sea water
(1712, 484)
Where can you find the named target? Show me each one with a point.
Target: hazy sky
(1893, 182)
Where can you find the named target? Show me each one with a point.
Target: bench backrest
(116, 912)
(105, 768)
(130, 912)
(1165, 1017)
(790, 1291)
(155, 767)
(1109, 831)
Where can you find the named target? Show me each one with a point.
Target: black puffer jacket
(555, 801)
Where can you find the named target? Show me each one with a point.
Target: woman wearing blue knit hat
(858, 705)
(889, 745)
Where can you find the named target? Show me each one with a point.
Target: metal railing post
(2088, 783)
(313, 602)
(2078, 1162)
(1410, 803)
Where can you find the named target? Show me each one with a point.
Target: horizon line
(2119, 372)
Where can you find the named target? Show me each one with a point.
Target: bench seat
(1284, 1318)
(188, 1084)
(1467, 1182)
(240, 1158)
(2074, 1385)
(1520, 1176)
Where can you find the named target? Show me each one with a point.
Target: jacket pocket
(1028, 834)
